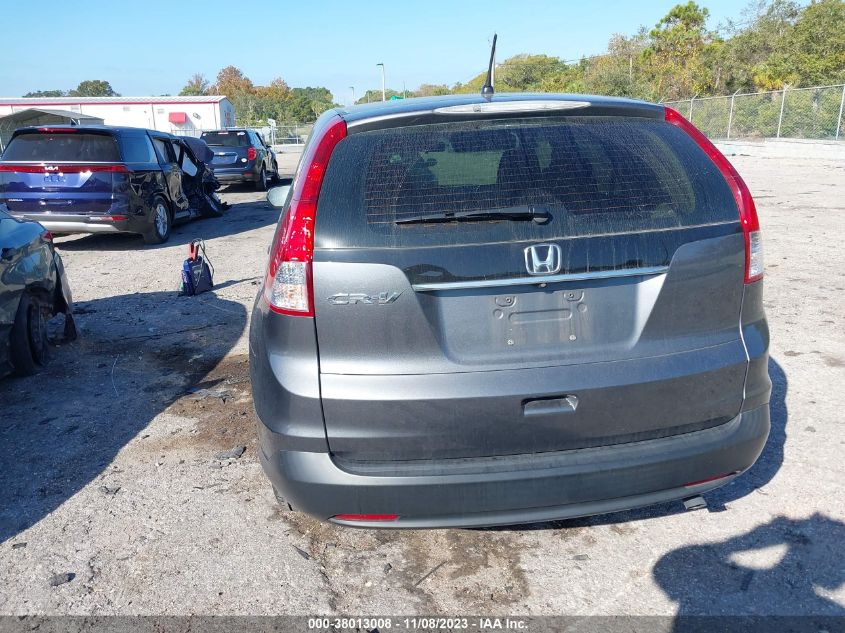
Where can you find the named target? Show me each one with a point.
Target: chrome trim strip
(535, 280)
(526, 105)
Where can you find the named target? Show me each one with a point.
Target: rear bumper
(515, 489)
(228, 175)
(80, 227)
(79, 224)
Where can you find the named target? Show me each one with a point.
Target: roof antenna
(487, 88)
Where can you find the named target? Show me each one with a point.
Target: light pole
(352, 88)
(383, 93)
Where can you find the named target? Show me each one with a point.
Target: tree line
(87, 88)
(777, 43)
(255, 104)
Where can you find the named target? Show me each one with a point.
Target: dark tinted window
(593, 175)
(138, 149)
(228, 138)
(58, 147)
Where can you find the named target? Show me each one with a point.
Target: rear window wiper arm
(538, 213)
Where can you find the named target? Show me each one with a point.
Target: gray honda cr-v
(509, 309)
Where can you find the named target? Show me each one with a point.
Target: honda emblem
(543, 259)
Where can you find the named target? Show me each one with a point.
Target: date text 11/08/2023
(418, 623)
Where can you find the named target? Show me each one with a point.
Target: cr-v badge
(349, 298)
(543, 259)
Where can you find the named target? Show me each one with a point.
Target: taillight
(47, 236)
(251, 154)
(288, 287)
(46, 168)
(107, 218)
(744, 201)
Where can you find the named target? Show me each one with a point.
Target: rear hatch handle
(550, 406)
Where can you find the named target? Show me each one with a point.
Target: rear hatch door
(60, 171)
(230, 148)
(486, 288)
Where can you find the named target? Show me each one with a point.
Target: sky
(153, 47)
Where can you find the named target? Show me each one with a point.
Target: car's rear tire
(28, 344)
(162, 222)
(261, 183)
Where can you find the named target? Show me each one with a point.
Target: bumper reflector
(710, 479)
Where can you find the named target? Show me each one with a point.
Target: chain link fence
(293, 134)
(181, 131)
(808, 113)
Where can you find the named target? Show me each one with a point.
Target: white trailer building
(178, 115)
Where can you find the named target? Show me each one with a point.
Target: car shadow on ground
(783, 567)
(802, 561)
(763, 471)
(135, 356)
(240, 217)
(246, 187)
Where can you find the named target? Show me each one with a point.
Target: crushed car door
(172, 176)
(198, 181)
(183, 177)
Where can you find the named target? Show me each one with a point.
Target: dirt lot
(110, 468)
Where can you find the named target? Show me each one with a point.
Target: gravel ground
(112, 473)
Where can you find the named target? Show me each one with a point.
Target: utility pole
(404, 92)
(383, 93)
(352, 88)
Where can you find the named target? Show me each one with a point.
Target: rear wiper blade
(538, 213)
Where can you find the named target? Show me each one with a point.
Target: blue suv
(102, 179)
(241, 156)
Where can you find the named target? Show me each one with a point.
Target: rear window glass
(229, 138)
(138, 149)
(592, 175)
(69, 146)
